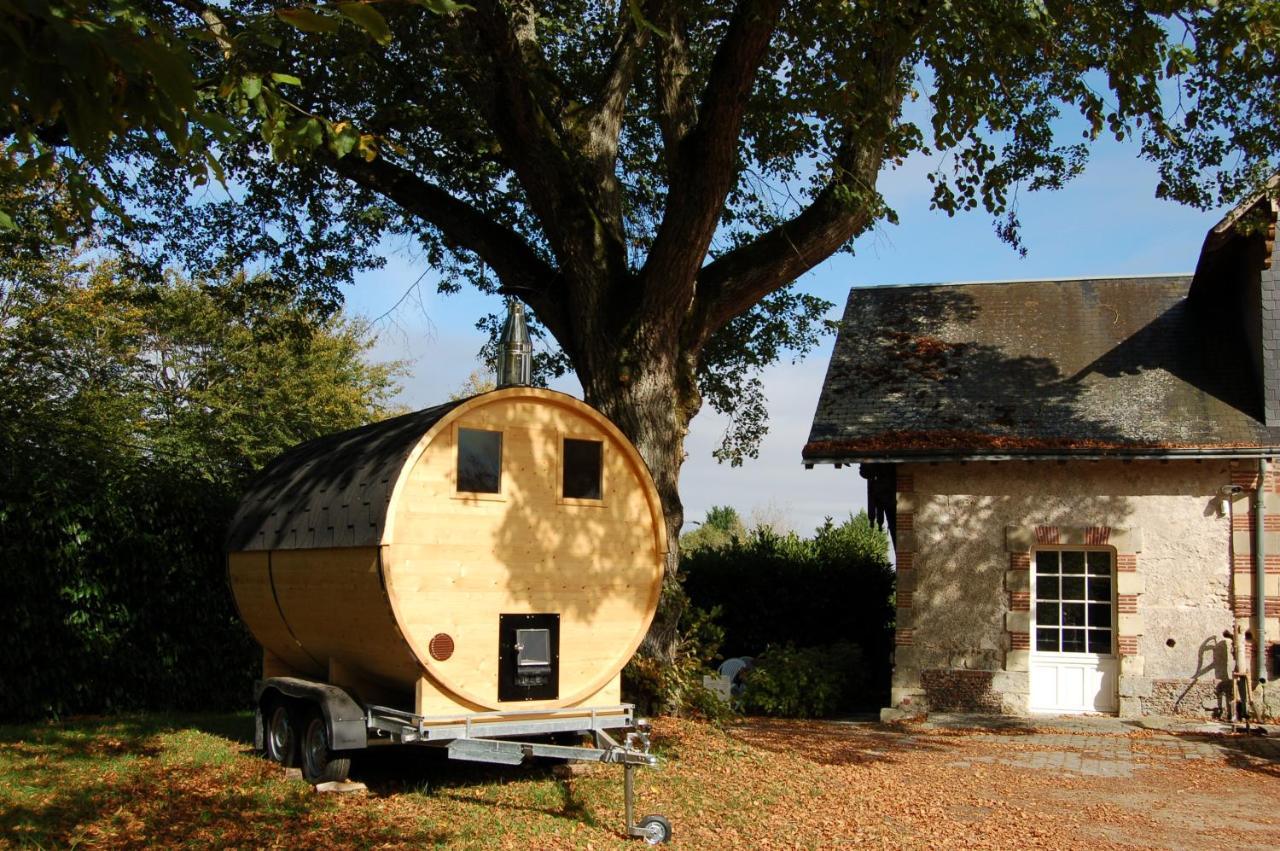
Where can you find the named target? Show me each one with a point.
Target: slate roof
(1091, 367)
(332, 491)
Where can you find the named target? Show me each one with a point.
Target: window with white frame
(1074, 606)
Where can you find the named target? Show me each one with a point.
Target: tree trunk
(651, 397)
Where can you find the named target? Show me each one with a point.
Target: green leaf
(637, 15)
(216, 168)
(215, 122)
(368, 19)
(170, 71)
(307, 20)
(285, 79)
(444, 7)
(343, 138)
(6, 222)
(308, 132)
(251, 85)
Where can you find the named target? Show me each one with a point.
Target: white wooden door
(1074, 667)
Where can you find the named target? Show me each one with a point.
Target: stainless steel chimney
(515, 352)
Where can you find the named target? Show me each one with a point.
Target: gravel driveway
(970, 781)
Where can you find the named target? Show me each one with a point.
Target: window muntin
(479, 461)
(582, 469)
(1074, 611)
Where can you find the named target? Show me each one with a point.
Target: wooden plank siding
(452, 564)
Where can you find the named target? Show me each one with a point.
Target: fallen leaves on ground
(757, 784)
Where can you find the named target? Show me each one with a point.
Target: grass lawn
(193, 781)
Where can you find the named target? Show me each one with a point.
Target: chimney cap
(515, 350)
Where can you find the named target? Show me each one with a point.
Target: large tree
(650, 176)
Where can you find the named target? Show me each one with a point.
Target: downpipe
(1260, 576)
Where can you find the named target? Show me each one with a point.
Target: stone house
(1072, 472)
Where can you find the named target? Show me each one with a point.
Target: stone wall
(951, 690)
(966, 534)
(1197, 698)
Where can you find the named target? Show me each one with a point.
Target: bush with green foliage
(833, 589)
(809, 682)
(675, 687)
(722, 527)
(131, 417)
(115, 585)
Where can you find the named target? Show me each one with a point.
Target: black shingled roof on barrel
(332, 491)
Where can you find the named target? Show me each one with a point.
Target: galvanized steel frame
(474, 738)
(407, 728)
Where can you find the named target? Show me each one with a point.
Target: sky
(1106, 222)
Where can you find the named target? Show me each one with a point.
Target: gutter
(1261, 453)
(1260, 576)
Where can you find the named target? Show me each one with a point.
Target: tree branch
(604, 121)
(582, 227)
(846, 205)
(676, 111)
(707, 159)
(211, 19)
(522, 122)
(516, 264)
(737, 280)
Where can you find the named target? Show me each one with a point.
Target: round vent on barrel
(441, 646)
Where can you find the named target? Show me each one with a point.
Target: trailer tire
(655, 829)
(280, 738)
(319, 765)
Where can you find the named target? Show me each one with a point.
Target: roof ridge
(1005, 281)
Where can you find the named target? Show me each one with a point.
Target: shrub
(809, 682)
(777, 590)
(116, 584)
(674, 687)
(721, 527)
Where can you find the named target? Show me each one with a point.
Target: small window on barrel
(583, 465)
(479, 461)
(533, 647)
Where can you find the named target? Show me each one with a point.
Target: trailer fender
(343, 716)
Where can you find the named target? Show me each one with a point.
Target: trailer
(334, 727)
(471, 576)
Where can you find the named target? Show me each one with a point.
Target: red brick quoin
(1097, 536)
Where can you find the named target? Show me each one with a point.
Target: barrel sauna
(499, 552)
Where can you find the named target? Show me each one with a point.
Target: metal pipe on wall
(1260, 575)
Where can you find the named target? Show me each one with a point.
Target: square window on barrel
(479, 461)
(583, 469)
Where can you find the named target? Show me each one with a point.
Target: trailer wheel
(319, 765)
(655, 829)
(280, 744)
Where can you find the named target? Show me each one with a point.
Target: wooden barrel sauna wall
(503, 551)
